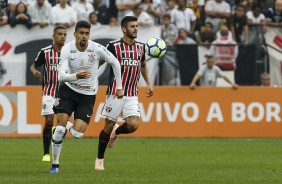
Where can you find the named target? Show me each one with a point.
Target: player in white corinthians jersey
(78, 74)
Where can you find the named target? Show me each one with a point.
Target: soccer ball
(155, 47)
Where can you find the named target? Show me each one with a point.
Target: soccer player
(131, 56)
(78, 72)
(49, 57)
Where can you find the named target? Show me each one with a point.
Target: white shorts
(127, 106)
(47, 105)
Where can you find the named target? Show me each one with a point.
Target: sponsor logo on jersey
(73, 51)
(129, 62)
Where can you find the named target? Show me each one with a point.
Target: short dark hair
(59, 27)
(82, 24)
(256, 6)
(127, 19)
(241, 6)
(167, 16)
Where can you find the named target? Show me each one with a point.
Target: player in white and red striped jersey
(131, 56)
(49, 58)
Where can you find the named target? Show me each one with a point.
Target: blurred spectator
(169, 5)
(125, 6)
(3, 13)
(93, 19)
(13, 3)
(102, 11)
(238, 23)
(83, 9)
(144, 19)
(274, 15)
(40, 13)
(225, 51)
(256, 22)
(206, 34)
(52, 2)
(20, 16)
(232, 4)
(63, 14)
(153, 9)
(248, 4)
(113, 21)
(198, 11)
(266, 4)
(217, 10)
(265, 79)
(169, 32)
(209, 73)
(183, 37)
(183, 18)
(223, 24)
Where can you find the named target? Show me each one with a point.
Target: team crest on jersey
(44, 106)
(108, 109)
(91, 58)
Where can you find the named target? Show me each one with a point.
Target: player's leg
(111, 110)
(64, 107)
(48, 113)
(57, 140)
(104, 138)
(131, 115)
(47, 136)
(82, 114)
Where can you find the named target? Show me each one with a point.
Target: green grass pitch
(146, 160)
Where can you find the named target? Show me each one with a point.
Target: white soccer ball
(155, 47)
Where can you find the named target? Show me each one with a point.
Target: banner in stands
(19, 47)
(171, 112)
(273, 38)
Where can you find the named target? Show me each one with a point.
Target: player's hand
(235, 86)
(192, 86)
(119, 93)
(150, 91)
(37, 74)
(83, 74)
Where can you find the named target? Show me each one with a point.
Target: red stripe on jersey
(132, 72)
(54, 84)
(126, 68)
(118, 51)
(47, 57)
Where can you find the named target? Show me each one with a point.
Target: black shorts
(71, 101)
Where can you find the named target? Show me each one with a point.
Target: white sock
(57, 143)
(69, 125)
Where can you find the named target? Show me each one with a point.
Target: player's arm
(107, 56)
(63, 75)
(39, 60)
(145, 74)
(221, 74)
(195, 79)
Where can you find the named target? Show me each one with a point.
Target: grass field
(146, 160)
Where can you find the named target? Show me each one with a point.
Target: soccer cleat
(53, 130)
(54, 169)
(46, 158)
(99, 164)
(113, 137)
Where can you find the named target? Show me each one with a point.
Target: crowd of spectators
(202, 20)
